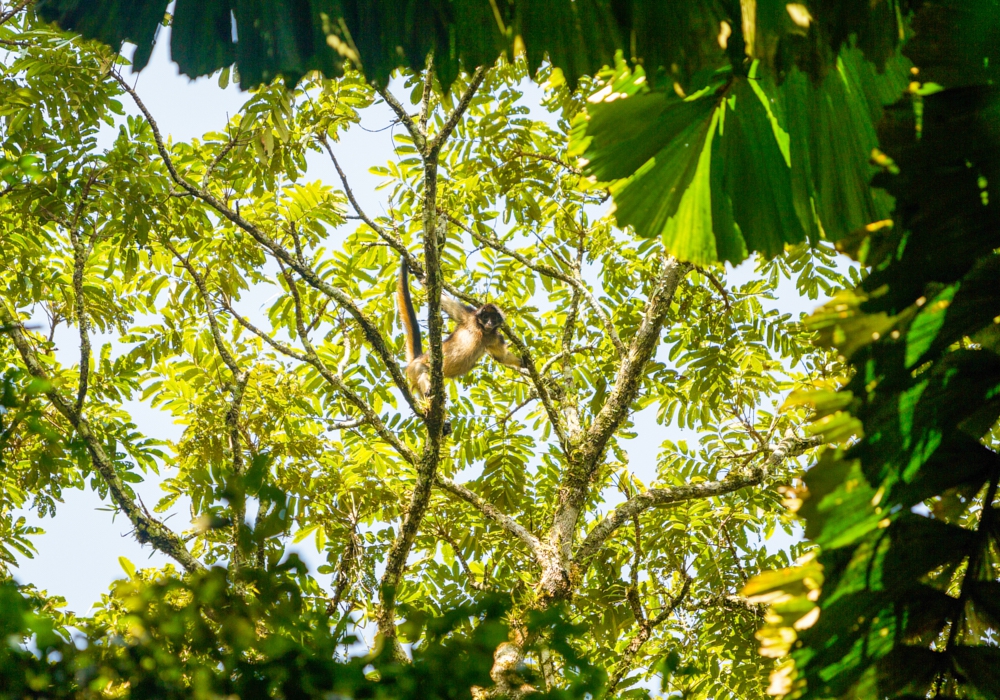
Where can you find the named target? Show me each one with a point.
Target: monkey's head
(489, 318)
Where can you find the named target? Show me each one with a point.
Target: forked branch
(335, 380)
(790, 446)
(492, 513)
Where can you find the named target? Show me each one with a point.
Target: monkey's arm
(458, 311)
(497, 349)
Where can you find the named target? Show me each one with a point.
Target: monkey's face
(489, 318)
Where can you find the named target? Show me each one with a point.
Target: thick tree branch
(433, 419)
(427, 94)
(310, 276)
(790, 446)
(633, 367)
(433, 238)
(147, 529)
(585, 458)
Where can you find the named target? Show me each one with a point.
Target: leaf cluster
(905, 508)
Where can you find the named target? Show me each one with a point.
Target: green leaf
(127, 566)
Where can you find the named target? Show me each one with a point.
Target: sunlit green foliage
(904, 504)
(258, 636)
(273, 398)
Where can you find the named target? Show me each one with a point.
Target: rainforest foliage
(526, 531)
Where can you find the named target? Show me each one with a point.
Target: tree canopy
(299, 425)
(903, 502)
(799, 86)
(720, 130)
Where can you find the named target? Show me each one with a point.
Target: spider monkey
(478, 332)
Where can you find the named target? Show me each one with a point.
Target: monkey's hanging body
(477, 333)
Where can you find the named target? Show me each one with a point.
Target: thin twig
(392, 241)
(443, 534)
(551, 159)
(418, 138)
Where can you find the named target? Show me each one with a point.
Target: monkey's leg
(424, 385)
(418, 377)
(420, 381)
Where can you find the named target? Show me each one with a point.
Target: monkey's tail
(407, 314)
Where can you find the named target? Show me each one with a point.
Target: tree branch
(456, 115)
(82, 319)
(425, 96)
(539, 383)
(345, 567)
(213, 323)
(9, 14)
(237, 390)
(646, 627)
(491, 512)
(586, 457)
(719, 287)
(566, 353)
(370, 330)
(633, 368)
(434, 416)
(443, 534)
(418, 138)
(790, 446)
(393, 242)
(550, 159)
(147, 529)
(370, 416)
